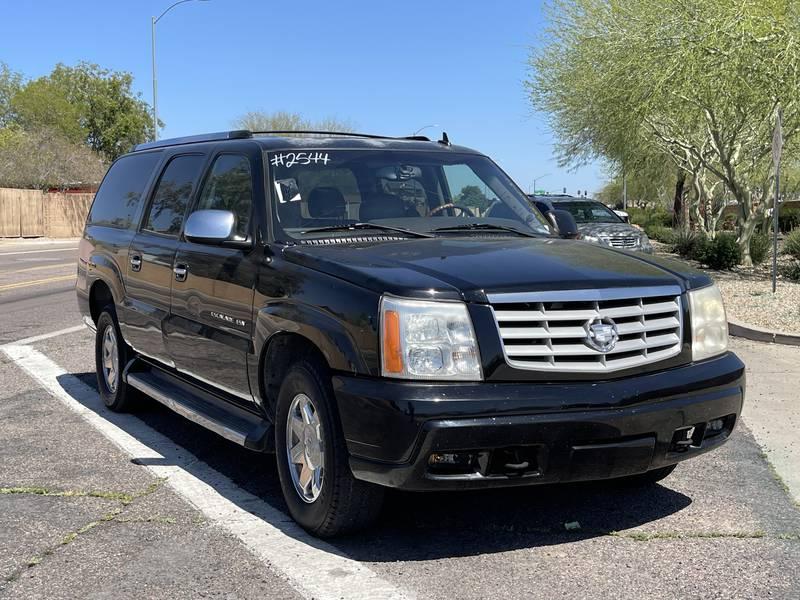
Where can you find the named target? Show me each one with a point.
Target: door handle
(180, 272)
(136, 263)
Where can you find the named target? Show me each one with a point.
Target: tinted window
(117, 201)
(172, 194)
(230, 187)
(589, 212)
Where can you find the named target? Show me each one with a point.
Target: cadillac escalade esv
(385, 312)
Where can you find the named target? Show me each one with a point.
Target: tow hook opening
(695, 436)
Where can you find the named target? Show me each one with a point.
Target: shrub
(791, 271)
(728, 222)
(788, 219)
(689, 244)
(722, 253)
(759, 247)
(646, 217)
(660, 233)
(791, 244)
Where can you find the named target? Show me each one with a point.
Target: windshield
(589, 212)
(422, 192)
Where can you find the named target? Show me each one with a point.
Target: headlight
(709, 324)
(423, 339)
(590, 238)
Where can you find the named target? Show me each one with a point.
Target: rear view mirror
(564, 223)
(209, 226)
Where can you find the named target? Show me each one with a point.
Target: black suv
(386, 312)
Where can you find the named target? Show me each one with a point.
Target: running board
(223, 418)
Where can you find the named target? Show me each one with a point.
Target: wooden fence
(33, 213)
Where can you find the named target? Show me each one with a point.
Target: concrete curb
(749, 332)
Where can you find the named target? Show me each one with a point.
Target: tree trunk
(678, 222)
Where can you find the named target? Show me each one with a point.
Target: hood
(469, 267)
(609, 229)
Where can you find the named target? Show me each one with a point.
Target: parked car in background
(597, 223)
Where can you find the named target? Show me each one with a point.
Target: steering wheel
(464, 210)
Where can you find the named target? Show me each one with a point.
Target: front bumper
(562, 431)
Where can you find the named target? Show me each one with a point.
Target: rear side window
(172, 194)
(230, 187)
(117, 202)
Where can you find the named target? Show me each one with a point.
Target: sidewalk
(772, 405)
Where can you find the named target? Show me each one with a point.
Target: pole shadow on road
(425, 526)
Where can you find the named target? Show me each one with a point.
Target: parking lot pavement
(37, 287)
(722, 526)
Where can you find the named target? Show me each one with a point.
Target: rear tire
(320, 491)
(111, 356)
(648, 478)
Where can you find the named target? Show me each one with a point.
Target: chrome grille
(626, 241)
(547, 331)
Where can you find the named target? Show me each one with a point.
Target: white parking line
(314, 568)
(47, 336)
(67, 249)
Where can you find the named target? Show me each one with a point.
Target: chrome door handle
(136, 263)
(180, 272)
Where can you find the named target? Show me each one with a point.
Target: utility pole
(624, 191)
(777, 149)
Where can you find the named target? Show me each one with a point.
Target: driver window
(230, 187)
(468, 190)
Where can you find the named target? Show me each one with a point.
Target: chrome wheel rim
(110, 358)
(305, 448)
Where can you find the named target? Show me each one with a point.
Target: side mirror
(209, 226)
(564, 223)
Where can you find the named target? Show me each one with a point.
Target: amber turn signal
(392, 349)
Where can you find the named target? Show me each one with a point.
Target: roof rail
(419, 138)
(239, 134)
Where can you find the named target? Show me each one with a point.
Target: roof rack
(418, 138)
(239, 134)
(243, 134)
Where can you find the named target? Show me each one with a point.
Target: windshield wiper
(483, 227)
(355, 226)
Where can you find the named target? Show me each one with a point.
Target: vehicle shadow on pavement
(425, 526)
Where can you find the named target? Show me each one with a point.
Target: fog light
(715, 426)
(454, 463)
(449, 459)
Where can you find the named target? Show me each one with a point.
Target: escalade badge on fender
(601, 334)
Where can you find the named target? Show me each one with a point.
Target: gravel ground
(748, 296)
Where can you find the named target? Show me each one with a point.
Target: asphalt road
(152, 506)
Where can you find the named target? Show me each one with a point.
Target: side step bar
(231, 422)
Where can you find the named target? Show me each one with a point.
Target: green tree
(10, 84)
(473, 197)
(85, 103)
(288, 121)
(696, 81)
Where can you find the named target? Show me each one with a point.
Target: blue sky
(389, 67)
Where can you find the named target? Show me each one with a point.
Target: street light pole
(155, 84)
(423, 129)
(537, 178)
(153, 21)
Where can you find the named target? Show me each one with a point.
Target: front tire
(111, 355)
(320, 491)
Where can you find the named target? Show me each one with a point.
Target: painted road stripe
(47, 336)
(22, 284)
(68, 249)
(40, 268)
(315, 569)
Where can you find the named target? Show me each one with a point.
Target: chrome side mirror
(209, 226)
